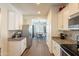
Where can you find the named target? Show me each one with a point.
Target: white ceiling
(33, 8)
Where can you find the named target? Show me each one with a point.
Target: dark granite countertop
(16, 39)
(64, 41)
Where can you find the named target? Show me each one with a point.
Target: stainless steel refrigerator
(26, 33)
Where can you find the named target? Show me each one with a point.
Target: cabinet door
(60, 20)
(14, 48)
(65, 20)
(0, 30)
(56, 48)
(17, 21)
(20, 21)
(23, 45)
(73, 7)
(11, 20)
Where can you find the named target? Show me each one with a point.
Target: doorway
(39, 29)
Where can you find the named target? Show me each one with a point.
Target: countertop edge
(16, 39)
(64, 41)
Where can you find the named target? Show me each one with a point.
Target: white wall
(3, 29)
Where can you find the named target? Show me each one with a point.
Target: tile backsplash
(11, 33)
(71, 34)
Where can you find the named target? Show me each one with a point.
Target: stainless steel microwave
(73, 22)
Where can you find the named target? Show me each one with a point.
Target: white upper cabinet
(60, 20)
(20, 21)
(14, 20)
(17, 21)
(11, 20)
(63, 19)
(73, 8)
(63, 16)
(66, 15)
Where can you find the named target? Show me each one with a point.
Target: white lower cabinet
(55, 48)
(16, 48)
(23, 45)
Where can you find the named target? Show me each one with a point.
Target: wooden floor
(39, 48)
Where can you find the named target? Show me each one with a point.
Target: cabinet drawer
(56, 48)
(23, 45)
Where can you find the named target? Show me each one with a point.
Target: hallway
(39, 48)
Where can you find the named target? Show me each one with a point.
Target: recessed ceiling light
(38, 12)
(37, 3)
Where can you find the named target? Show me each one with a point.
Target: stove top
(72, 49)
